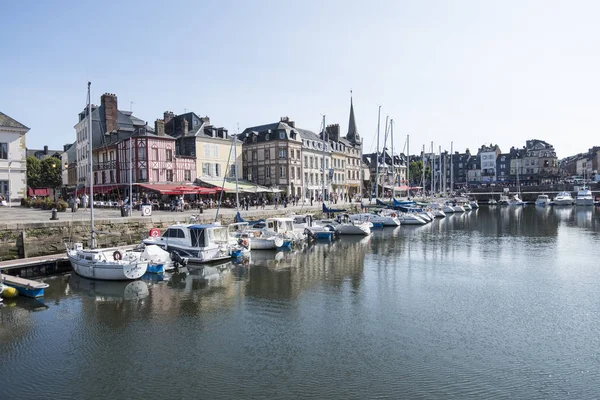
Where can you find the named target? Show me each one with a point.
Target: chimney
(159, 127)
(185, 127)
(45, 150)
(333, 132)
(168, 116)
(109, 101)
(286, 120)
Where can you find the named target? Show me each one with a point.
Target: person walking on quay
(85, 200)
(311, 200)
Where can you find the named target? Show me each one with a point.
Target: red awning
(166, 188)
(38, 192)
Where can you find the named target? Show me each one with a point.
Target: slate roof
(8, 122)
(352, 134)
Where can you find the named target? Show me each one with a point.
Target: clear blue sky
(472, 72)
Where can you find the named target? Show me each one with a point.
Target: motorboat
(438, 210)
(584, 197)
(312, 228)
(563, 199)
(198, 243)
(515, 200)
(504, 200)
(474, 204)
(408, 218)
(159, 260)
(106, 264)
(542, 200)
(384, 218)
(492, 202)
(345, 226)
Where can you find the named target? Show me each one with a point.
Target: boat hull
(108, 271)
(584, 201)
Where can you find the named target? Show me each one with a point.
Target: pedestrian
(77, 202)
(85, 201)
(311, 200)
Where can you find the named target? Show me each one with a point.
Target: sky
(464, 72)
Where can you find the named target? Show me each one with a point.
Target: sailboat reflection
(108, 290)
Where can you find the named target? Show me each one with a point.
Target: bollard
(54, 215)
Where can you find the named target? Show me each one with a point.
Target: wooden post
(21, 247)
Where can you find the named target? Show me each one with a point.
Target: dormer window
(254, 139)
(267, 137)
(281, 135)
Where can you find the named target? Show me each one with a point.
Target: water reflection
(108, 291)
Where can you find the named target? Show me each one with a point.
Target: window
(298, 172)
(143, 174)
(207, 150)
(281, 171)
(292, 173)
(282, 153)
(298, 154)
(254, 139)
(188, 175)
(156, 175)
(155, 153)
(281, 135)
(215, 151)
(267, 151)
(169, 175)
(112, 176)
(217, 169)
(103, 157)
(204, 169)
(112, 156)
(311, 162)
(169, 155)
(267, 137)
(4, 187)
(305, 161)
(268, 172)
(254, 155)
(232, 171)
(306, 177)
(254, 174)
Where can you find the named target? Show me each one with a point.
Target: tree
(33, 172)
(416, 172)
(51, 172)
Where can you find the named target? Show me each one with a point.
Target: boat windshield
(198, 237)
(218, 235)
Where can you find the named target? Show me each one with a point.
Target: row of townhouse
(126, 148)
(303, 163)
(585, 164)
(186, 148)
(534, 163)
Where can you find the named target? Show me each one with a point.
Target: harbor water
(494, 303)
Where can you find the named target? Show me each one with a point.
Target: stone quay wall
(31, 239)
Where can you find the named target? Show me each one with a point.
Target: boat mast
(393, 162)
(90, 174)
(440, 172)
(130, 176)
(408, 164)
(377, 155)
(451, 168)
(423, 172)
(323, 161)
(237, 193)
(383, 151)
(432, 174)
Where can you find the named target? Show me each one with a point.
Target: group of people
(78, 202)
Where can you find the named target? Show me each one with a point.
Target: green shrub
(37, 203)
(48, 204)
(25, 202)
(61, 206)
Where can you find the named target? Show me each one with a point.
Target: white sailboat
(96, 263)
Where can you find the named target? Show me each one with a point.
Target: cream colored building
(13, 164)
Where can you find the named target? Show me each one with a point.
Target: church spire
(352, 135)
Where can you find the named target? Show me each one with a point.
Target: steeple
(352, 135)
